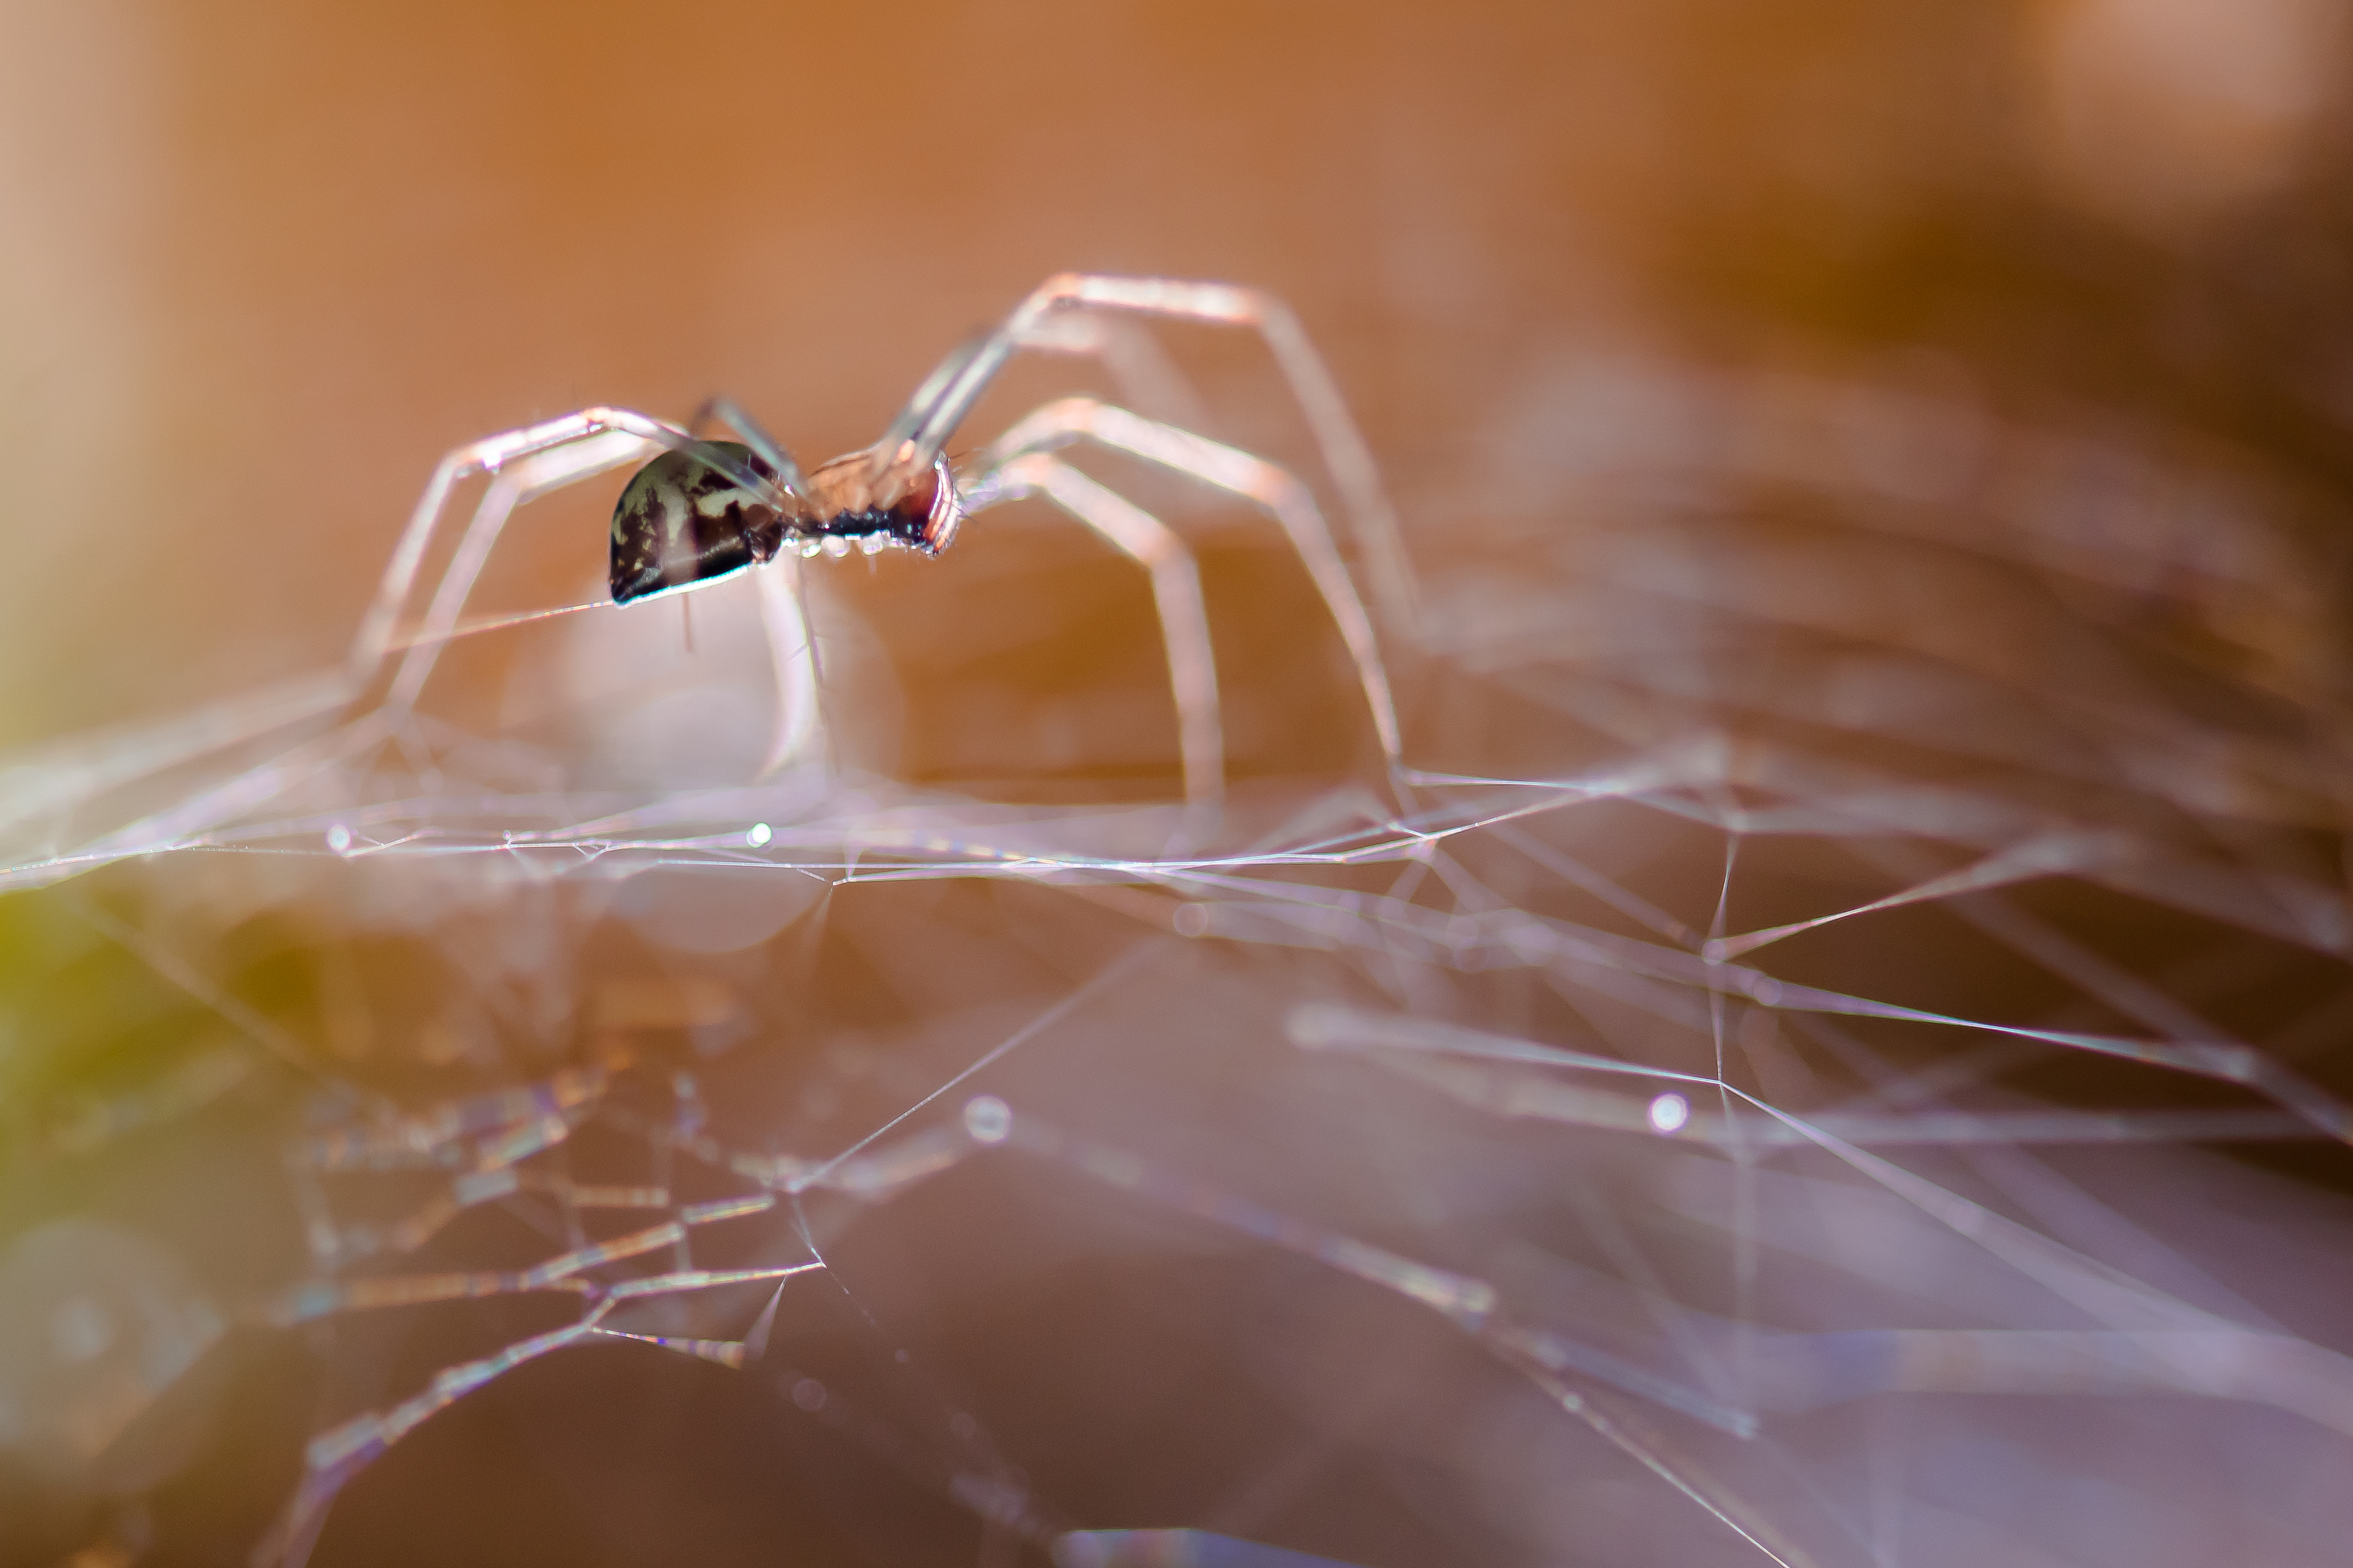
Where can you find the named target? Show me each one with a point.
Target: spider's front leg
(948, 395)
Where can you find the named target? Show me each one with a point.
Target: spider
(701, 510)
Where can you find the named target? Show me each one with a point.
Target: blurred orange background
(261, 265)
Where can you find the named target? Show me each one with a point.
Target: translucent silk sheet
(1811, 1037)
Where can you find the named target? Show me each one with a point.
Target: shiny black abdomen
(680, 522)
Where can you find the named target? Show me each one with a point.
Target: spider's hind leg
(1263, 484)
(1175, 595)
(521, 464)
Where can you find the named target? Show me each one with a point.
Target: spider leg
(1175, 593)
(792, 648)
(799, 718)
(527, 462)
(524, 464)
(520, 480)
(927, 397)
(601, 431)
(947, 396)
(1273, 489)
(771, 451)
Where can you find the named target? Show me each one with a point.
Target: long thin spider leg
(792, 650)
(965, 375)
(376, 633)
(926, 399)
(517, 482)
(728, 412)
(1275, 489)
(1175, 593)
(375, 637)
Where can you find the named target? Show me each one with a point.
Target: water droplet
(339, 839)
(1669, 1112)
(759, 835)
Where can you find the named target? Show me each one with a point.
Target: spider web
(1859, 922)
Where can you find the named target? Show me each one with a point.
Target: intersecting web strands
(1823, 1048)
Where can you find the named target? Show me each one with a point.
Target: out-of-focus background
(1944, 412)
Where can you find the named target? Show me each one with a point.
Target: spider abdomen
(680, 522)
